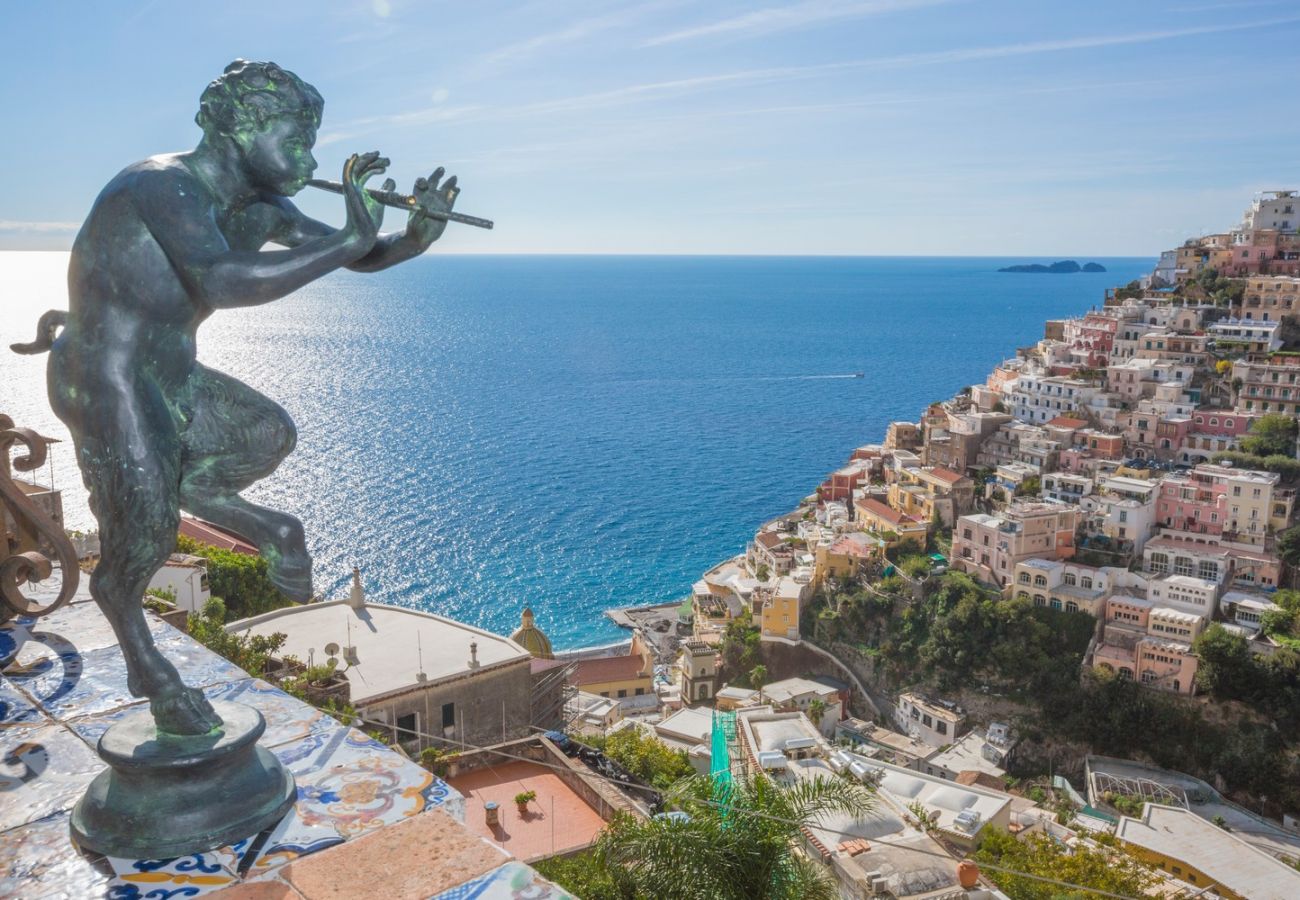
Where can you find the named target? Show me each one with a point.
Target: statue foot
(291, 573)
(184, 711)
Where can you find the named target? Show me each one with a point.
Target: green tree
(1227, 667)
(817, 709)
(248, 651)
(1288, 546)
(740, 850)
(1105, 869)
(1272, 435)
(647, 758)
(241, 580)
(584, 875)
(758, 678)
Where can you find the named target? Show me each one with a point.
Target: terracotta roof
(947, 475)
(1067, 422)
(881, 511)
(608, 668)
(768, 539)
(207, 533)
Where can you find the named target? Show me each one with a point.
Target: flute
(403, 201)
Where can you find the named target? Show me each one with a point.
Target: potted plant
(522, 800)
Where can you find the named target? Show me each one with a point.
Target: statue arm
(181, 218)
(389, 250)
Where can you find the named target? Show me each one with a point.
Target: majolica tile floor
(364, 814)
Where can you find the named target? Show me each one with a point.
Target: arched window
(1160, 562)
(1087, 582)
(1040, 581)
(1024, 578)
(1182, 565)
(1040, 600)
(1070, 578)
(1125, 672)
(1056, 604)
(1071, 606)
(1022, 596)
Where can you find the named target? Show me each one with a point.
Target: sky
(875, 127)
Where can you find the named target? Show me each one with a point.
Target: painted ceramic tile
(38, 861)
(82, 625)
(43, 770)
(13, 634)
(287, 718)
(513, 881)
(182, 876)
(16, 709)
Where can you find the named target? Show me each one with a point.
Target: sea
(576, 433)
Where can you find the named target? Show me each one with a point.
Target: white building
(187, 577)
(933, 722)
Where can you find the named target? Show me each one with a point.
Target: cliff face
(1063, 267)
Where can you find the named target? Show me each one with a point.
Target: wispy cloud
(784, 18)
(39, 227)
(678, 87)
(574, 32)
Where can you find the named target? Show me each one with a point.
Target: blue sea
(577, 433)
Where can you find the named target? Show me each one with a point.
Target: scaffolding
(724, 737)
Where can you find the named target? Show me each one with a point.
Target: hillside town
(1054, 618)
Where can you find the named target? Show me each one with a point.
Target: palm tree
(817, 709)
(758, 677)
(735, 846)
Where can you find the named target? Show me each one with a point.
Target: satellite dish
(331, 649)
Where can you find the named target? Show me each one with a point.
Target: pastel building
(1069, 586)
(989, 547)
(881, 520)
(1269, 298)
(1268, 385)
(1137, 643)
(929, 493)
(1219, 501)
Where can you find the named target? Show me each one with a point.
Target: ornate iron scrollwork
(31, 565)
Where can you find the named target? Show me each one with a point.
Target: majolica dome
(531, 638)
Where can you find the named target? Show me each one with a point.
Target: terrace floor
(557, 821)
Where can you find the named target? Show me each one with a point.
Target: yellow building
(879, 519)
(924, 493)
(779, 617)
(1182, 844)
(844, 558)
(617, 677)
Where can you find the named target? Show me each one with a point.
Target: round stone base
(167, 795)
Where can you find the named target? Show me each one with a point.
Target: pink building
(988, 547)
(1149, 643)
(1192, 503)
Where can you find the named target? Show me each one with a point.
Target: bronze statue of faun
(169, 241)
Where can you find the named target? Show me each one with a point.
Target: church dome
(531, 638)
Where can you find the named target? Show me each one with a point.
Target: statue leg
(133, 479)
(235, 437)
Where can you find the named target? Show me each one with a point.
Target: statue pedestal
(168, 795)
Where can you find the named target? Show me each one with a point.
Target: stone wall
(490, 705)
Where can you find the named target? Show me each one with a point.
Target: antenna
(420, 675)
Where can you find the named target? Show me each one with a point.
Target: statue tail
(46, 330)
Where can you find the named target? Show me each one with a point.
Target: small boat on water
(859, 374)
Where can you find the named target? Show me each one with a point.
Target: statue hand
(365, 214)
(434, 198)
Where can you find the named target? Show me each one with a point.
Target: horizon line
(434, 253)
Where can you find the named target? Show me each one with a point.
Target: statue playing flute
(169, 241)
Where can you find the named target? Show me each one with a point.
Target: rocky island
(1064, 267)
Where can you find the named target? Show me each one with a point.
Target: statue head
(271, 115)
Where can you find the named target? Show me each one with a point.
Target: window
(640, 691)
(1040, 581)
(622, 693)
(1071, 606)
(1024, 578)
(1160, 562)
(1070, 578)
(1056, 603)
(1207, 570)
(1087, 581)
(1040, 600)
(406, 728)
(916, 714)
(1182, 565)
(927, 721)
(448, 715)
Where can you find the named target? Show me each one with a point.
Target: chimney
(357, 598)
(473, 655)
